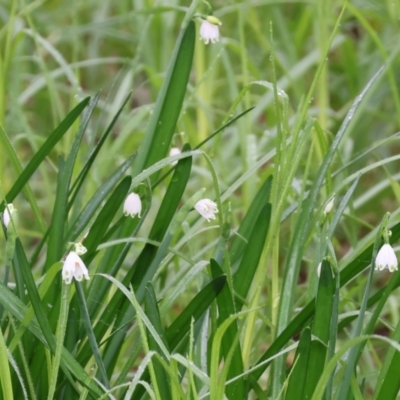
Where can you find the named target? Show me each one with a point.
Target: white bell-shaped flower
(386, 258)
(174, 152)
(7, 214)
(74, 268)
(206, 208)
(209, 30)
(133, 205)
(329, 206)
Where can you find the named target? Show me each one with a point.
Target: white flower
(209, 30)
(174, 152)
(386, 258)
(74, 268)
(319, 269)
(8, 212)
(206, 208)
(329, 206)
(133, 205)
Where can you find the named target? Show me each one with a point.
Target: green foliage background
(298, 103)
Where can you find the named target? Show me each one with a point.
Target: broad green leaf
(60, 211)
(91, 209)
(179, 329)
(239, 243)
(93, 155)
(48, 145)
(388, 385)
(152, 312)
(298, 374)
(244, 275)
(320, 329)
(168, 106)
(226, 308)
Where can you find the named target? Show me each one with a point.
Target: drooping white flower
(174, 152)
(319, 269)
(329, 206)
(74, 268)
(386, 258)
(133, 205)
(209, 30)
(7, 214)
(206, 208)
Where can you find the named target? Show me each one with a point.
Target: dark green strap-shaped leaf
(152, 312)
(168, 106)
(95, 202)
(21, 263)
(226, 308)
(60, 210)
(297, 378)
(194, 310)
(320, 329)
(360, 262)
(47, 146)
(388, 384)
(105, 217)
(249, 221)
(168, 207)
(16, 308)
(244, 276)
(82, 175)
(56, 231)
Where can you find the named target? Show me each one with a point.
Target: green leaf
(297, 378)
(60, 211)
(320, 329)
(85, 170)
(89, 212)
(226, 308)
(239, 243)
(388, 385)
(152, 312)
(48, 145)
(180, 328)
(169, 103)
(105, 217)
(5, 376)
(244, 276)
